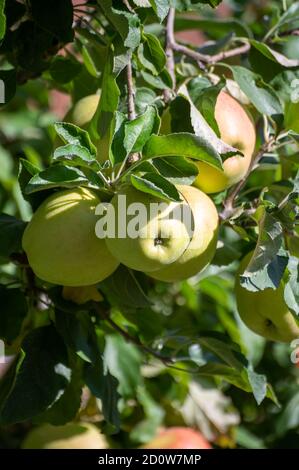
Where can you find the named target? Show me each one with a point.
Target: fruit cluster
(62, 246)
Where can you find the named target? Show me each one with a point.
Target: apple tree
(161, 100)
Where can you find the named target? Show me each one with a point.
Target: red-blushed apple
(178, 438)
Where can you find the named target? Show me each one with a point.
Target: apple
(202, 246)
(81, 114)
(83, 111)
(70, 436)
(291, 119)
(158, 238)
(236, 129)
(265, 312)
(61, 244)
(178, 438)
(81, 294)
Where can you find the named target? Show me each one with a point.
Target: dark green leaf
(41, 378)
(260, 93)
(56, 176)
(177, 170)
(183, 145)
(14, 309)
(11, 231)
(124, 289)
(138, 131)
(76, 155)
(156, 185)
(291, 290)
(71, 134)
(63, 70)
(268, 263)
(2, 19)
(161, 8)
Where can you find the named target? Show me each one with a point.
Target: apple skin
(70, 436)
(81, 114)
(265, 312)
(61, 244)
(236, 129)
(81, 294)
(178, 438)
(202, 247)
(291, 116)
(148, 253)
(83, 111)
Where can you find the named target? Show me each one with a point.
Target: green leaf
(138, 131)
(56, 176)
(63, 70)
(124, 289)
(42, 377)
(110, 93)
(151, 54)
(274, 55)
(258, 384)
(290, 16)
(71, 134)
(268, 262)
(123, 361)
(104, 385)
(161, 82)
(76, 155)
(291, 290)
(68, 404)
(11, 232)
(177, 170)
(199, 124)
(156, 185)
(127, 24)
(289, 417)
(14, 309)
(183, 145)
(161, 8)
(146, 429)
(2, 19)
(262, 95)
(77, 330)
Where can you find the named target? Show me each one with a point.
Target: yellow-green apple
(81, 294)
(291, 116)
(70, 436)
(265, 312)
(149, 233)
(178, 438)
(81, 114)
(61, 244)
(202, 246)
(236, 129)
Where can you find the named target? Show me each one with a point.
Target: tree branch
(210, 59)
(169, 41)
(167, 361)
(229, 203)
(130, 93)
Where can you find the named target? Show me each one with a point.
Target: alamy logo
(295, 353)
(137, 220)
